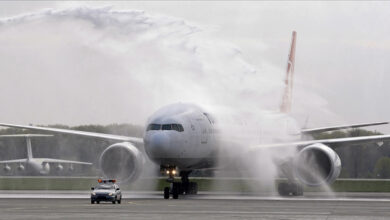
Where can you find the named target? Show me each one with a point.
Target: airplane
(183, 137)
(35, 166)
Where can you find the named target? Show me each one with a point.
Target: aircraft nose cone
(157, 145)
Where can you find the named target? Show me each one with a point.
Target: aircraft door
(200, 127)
(204, 135)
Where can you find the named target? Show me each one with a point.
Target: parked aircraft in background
(184, 137)
(35, 166)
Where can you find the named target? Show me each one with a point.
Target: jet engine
(121, 161)
(7, 168)
(59, 167)
(21, 167)
(317, 164)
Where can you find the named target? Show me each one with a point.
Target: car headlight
(93, 193)
(110, 194)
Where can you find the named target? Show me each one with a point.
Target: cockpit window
(176, 127)
(153, 127)
(179, 128)
(167, 127)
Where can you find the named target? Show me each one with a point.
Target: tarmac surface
(206, 205)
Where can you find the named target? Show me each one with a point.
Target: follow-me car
(107, 190)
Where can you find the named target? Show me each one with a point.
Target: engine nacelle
(121, 161)
(7, 168)
(20, 167)
(317, 165)
(59, 167)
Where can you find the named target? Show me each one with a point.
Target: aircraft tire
(195, 188)
(290, 189)
(298, 190)
(175, 195)
(192, 188)
(282, 189)
(166, 193)
(176, 188)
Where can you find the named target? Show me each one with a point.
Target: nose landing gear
(184, 187)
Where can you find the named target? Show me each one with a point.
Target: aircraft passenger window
(153, 127)
(167, 127)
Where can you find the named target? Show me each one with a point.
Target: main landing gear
(290, 189)
(180, 188)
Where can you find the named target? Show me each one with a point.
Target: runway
(150, 205)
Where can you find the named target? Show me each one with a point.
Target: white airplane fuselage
(37, 167)
(201, 141)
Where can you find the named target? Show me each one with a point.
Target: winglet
(285, 106)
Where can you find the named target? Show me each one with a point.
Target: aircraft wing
(24, 135)
(335, 142)
(324, 129)
(50, 160)
(13, 161)
(79, 133)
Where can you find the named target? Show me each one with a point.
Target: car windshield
(105, 187)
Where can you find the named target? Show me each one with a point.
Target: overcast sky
(54, 62)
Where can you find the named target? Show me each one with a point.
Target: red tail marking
(285, 106)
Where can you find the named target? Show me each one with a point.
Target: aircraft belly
(188, 163)
(189, 157)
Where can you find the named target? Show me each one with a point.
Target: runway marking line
(234, 212)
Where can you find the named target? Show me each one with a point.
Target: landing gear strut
(290, 189)
(179, 188)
